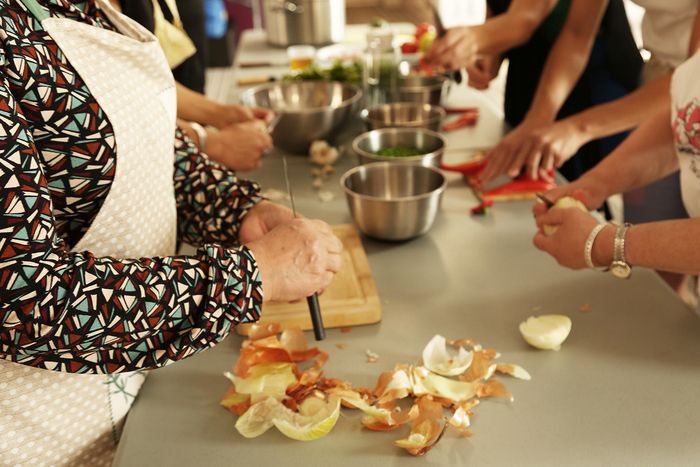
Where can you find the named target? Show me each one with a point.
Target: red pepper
(464, 120)
(421, 29)
(482, 208)
(409, 48)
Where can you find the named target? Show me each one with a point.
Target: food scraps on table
(466, 119)
(323, 154)
(278, 381)
(399, 151)
(372, 357)
(483, 208)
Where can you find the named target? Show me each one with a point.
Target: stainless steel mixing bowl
(431, 143)
(404, 115)
(422, 89)
(393, 201)
(309, 110)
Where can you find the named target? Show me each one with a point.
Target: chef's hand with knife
(296, 256)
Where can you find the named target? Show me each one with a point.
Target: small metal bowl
(431, 143)
(393, 201)
(422, 89)
(308, 110)
(404, 115)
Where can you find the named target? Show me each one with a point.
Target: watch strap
(619, 245)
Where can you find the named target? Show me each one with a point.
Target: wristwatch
(620, 268)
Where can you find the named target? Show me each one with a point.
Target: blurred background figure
(564, 56)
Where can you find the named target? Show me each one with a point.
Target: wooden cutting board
(350, 300)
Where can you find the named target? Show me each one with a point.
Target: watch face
(621, 270)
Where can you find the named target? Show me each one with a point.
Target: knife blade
(312, 300)
(440, 30)
(547, 202)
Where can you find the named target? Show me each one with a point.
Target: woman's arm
(646, 155)
(211, 200)
(460, 46)
(567, 58)
(554, 144)
(75, 312)
(563, 68)
(196, 107)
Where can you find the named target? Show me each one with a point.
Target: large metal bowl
(308, 110)
(422, 89)
(431, 143)
(404, 115)
(393, 201)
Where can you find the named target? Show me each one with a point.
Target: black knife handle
(316, 318)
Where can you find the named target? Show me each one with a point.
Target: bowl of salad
(418, 146)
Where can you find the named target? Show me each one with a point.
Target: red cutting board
(350, 300)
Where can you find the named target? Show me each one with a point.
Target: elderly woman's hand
(261, 219)
(567, 244)
(296, 259)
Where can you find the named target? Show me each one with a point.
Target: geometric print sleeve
(211, 199)
(79, 313)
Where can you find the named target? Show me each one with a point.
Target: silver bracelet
(201, 135)
(588, 248)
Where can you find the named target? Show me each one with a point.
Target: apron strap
(35, 9)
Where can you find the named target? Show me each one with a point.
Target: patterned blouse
(58, 160)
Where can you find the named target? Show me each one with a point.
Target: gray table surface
(622, 391)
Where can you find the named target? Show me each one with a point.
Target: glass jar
(380, 71)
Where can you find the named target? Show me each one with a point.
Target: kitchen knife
(312, 301)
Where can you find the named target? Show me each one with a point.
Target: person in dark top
(603, 62)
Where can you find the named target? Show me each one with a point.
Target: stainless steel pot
(314, 22)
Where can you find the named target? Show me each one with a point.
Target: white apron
(55, 418)
(685, 122)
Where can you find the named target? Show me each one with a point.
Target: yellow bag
(172, 37)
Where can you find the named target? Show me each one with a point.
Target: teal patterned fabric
(73, 311)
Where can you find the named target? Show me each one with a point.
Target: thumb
(554, 216)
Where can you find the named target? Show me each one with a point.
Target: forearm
(211, 200)
(567, 59)
(645, 156)
(663, 246)
(513, 28)
(81, 313)
(564, 67)
(196, 107)
(625, 113)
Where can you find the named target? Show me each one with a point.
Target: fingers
(553, 216)
(335, 263)
(266, 115)
(497, 160)
(541, 241)
(539, 208)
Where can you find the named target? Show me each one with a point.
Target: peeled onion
(564, 202)
(546, 332)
